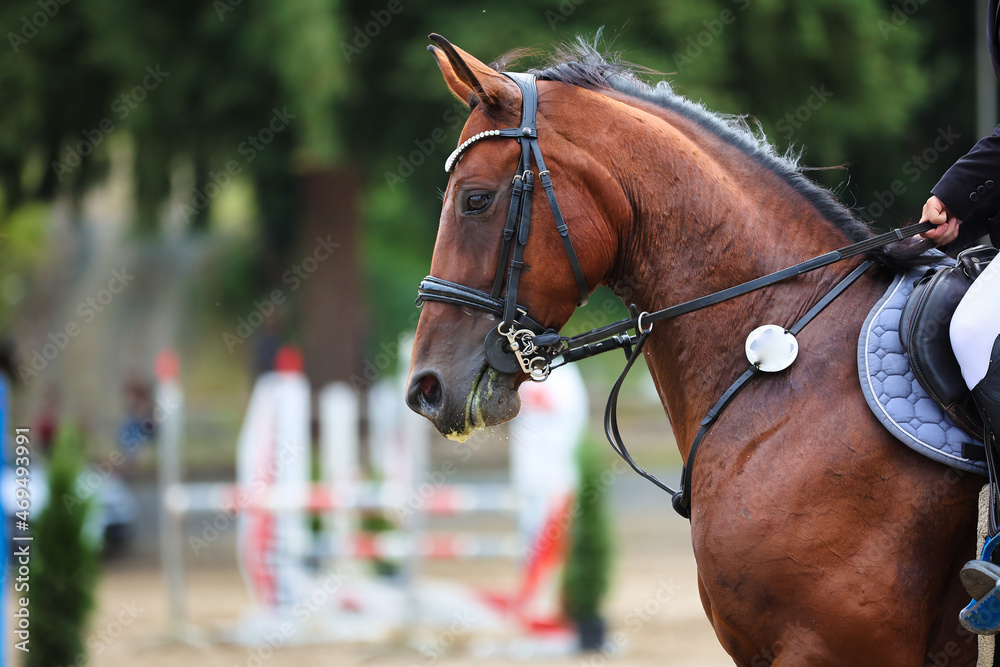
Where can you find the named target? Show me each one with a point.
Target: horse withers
(819, 540)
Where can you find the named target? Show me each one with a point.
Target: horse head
(451, 381)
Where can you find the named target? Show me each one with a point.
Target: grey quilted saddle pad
(894, 395)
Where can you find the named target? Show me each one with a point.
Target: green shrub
(64, 563)
(588, 564)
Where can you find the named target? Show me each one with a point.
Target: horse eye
(478, 202)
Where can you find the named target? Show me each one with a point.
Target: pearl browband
(449, 164)
(519, 133)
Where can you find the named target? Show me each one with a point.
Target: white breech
(976, 325)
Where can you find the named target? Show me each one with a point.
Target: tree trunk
(332, 307)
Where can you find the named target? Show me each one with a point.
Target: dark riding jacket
(971, 187)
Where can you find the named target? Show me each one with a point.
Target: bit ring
(638, 324)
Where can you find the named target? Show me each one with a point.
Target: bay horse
(819, 539)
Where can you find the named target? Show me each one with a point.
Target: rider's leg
(975, 337)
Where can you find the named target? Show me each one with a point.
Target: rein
(522, 344)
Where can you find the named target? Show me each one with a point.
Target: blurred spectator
(267, 345)
(138, 427)
(47, 420)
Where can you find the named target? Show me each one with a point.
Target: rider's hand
(937, 213)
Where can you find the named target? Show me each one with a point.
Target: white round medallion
(770, 348)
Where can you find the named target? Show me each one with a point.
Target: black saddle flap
(924, 330)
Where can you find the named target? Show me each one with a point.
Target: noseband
(522, 344)
(518, 343)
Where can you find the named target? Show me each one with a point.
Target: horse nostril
(425, 393)
(430, 390)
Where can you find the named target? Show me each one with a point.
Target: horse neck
(706, 216)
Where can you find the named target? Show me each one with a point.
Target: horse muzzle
(459, 405)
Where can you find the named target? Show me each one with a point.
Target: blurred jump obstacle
(311, 580)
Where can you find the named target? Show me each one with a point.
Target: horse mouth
(491, 401)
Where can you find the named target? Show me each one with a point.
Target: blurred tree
(46, 101)
(251, 89)
(218, 91)
(332, 110)
(823, 76)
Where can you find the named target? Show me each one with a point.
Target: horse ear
(458, 87)
(467, 76)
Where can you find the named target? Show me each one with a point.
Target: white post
(543, 442)
(385, 452)
(170, 399)
(273, 458)
(414, 447)
(340, 466)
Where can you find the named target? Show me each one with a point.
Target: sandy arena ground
(654, 558)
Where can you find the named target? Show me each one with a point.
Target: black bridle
(522, 344)
(519, 343)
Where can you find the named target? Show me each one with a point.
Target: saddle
(924, 330)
